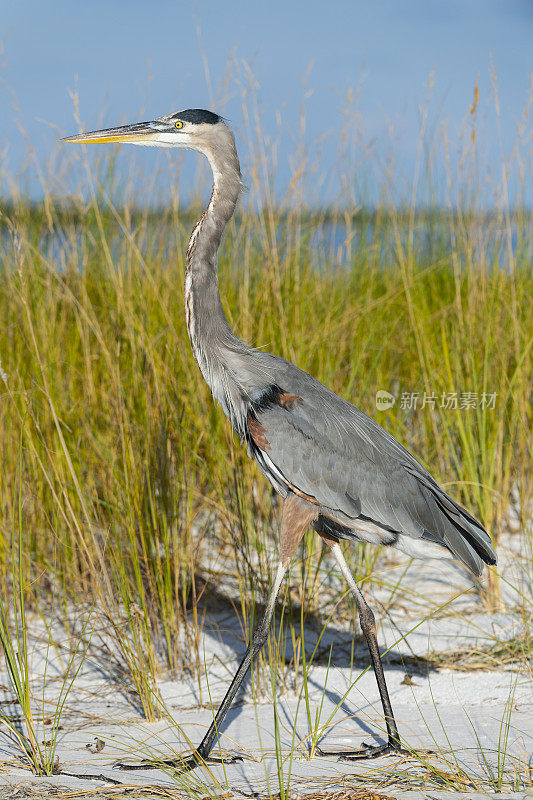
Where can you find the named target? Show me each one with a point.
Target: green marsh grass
(25, 727)
(134, 492)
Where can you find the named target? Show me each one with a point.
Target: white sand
(469, 718)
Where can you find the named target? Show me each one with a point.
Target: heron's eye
(178, 124)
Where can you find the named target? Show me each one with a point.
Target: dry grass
(134, 493)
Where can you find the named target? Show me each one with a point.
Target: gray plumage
(336, 468)
(368, 486)
(329, 450)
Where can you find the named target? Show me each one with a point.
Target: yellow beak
(139, 132)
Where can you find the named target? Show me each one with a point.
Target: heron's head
(194, 129)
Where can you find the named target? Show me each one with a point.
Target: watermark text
(453, 401)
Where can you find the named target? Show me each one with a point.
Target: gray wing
(329, 450)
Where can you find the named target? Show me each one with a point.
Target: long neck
(209, 331)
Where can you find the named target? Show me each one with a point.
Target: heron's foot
(180, 763)
(366, 751)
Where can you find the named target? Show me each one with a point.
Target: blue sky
(131, 60)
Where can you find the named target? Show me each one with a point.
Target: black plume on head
(197, 116)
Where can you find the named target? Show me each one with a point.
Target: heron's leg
(296, 517)
(259, 638)
(201, 754)
(368, 625)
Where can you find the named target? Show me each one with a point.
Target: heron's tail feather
(458, 530)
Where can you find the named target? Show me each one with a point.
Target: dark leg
(368, 626)
(201, 754)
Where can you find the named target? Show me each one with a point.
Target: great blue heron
(336, 469)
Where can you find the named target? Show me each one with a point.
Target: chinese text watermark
(411, 401)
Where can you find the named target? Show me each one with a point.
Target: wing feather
(331, 451)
